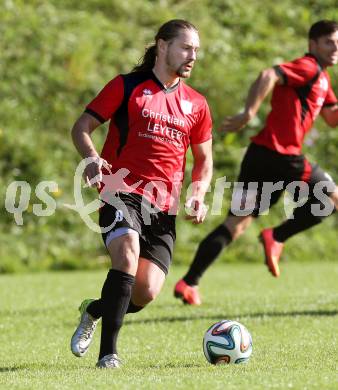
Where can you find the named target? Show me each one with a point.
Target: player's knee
(129, 256)
(145, 294)
(149, 294)
(237, 230)
(126, 260)
(237, 225)
(124, 253)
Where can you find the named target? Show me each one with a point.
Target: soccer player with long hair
(154, 117)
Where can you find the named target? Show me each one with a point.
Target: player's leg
(122, 243)
(149, 280)
(305, 216)
(284, 170)
(254, 170)
(157, 243)
(116, 293)
(208, 251)
(125, 249)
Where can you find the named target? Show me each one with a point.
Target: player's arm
(201, 177)
(258, 91)
(99, 110)
(81, 135)
(330, 115)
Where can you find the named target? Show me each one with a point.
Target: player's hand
(196, 210)
(234, 123)
(93, 172)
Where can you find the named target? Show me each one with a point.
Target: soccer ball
(227, 342)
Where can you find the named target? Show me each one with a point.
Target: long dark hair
(167, 32)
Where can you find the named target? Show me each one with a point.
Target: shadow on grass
(9, 369)
(218, 316)
(44, 366)
(41, 367)
(172, 365)
(31, 311)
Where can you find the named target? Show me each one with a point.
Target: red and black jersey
(150, 130)
(295, 105)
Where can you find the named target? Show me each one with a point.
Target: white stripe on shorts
(117, 233)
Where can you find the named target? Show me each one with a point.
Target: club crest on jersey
(186, 106)
(147, 92)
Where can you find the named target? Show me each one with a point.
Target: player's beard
(178, 70)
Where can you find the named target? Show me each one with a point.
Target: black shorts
(263, 168)
(156, 229)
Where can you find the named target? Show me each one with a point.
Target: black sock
(115, 297)
(134, 308)
(291, 227)
(95, 308)
(207, 253)
(303, 220)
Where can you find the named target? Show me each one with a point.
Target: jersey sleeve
(108, 100)
(298, 72)
(201, 132)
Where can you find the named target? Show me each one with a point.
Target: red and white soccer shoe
(188, 294)
(273, 250)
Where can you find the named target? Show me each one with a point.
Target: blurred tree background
(56, 55)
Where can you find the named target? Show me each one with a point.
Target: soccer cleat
(273, 250)
(188, 294)
(109, 361)
(83, 334)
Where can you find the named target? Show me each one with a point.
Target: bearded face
(181, 53)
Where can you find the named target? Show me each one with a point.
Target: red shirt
(295, 105)
(149, 132)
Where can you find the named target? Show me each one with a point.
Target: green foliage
(56, 55)
(293, 323)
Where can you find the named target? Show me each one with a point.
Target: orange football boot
(188, 294)
(273, 250)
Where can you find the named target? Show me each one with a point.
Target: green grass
(293, 322)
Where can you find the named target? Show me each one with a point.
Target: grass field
(293, 322)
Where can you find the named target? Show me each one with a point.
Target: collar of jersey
(314, 57)
(163, 88)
